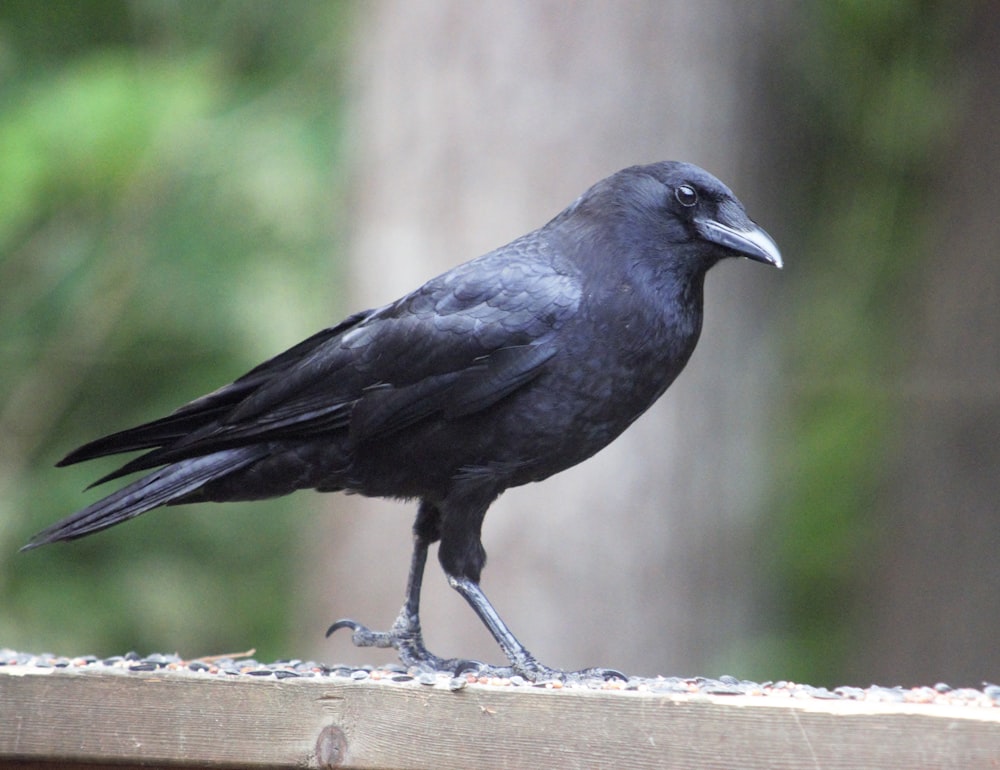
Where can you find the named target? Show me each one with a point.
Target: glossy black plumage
(504, 370)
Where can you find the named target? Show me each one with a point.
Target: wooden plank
(187, 719)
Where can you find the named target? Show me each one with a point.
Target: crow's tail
(166, 485)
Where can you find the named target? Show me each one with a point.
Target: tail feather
(150, 434)
(161, 487)
(209, 410)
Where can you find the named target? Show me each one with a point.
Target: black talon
(362, 636)
(343, 623)
(465, 666)
(607, 674)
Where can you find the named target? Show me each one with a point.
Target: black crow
(504, 370)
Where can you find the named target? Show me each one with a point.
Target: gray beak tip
(753, 243)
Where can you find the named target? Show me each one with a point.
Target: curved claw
(344, 623)
(464, 665)
(363, 636)
(604, 673)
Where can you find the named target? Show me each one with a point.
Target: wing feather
(455, 346)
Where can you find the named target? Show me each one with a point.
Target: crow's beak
(753, 243)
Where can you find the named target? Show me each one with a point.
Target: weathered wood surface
(185, 719)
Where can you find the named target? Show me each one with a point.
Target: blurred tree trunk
(471, 124)
(932, 592)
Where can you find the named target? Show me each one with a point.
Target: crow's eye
(686, 196)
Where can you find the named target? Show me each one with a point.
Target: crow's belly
(526, 437)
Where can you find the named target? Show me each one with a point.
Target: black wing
(206, 409)
(455, 346)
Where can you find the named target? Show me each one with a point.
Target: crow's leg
(522, 662)
(463, 557)
(405, 635)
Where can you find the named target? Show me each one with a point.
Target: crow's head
(677, 208)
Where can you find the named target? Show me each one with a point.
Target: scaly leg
(406, 638)
(405, 635)
(522, 662)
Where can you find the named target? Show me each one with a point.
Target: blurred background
(188, 188)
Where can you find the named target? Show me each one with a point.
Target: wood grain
(191, 720)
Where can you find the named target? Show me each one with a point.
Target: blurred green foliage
(873, 92)
(168, 200)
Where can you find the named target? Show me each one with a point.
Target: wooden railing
(105, 715)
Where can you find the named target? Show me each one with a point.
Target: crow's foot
(533, 671)
(406, 638)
